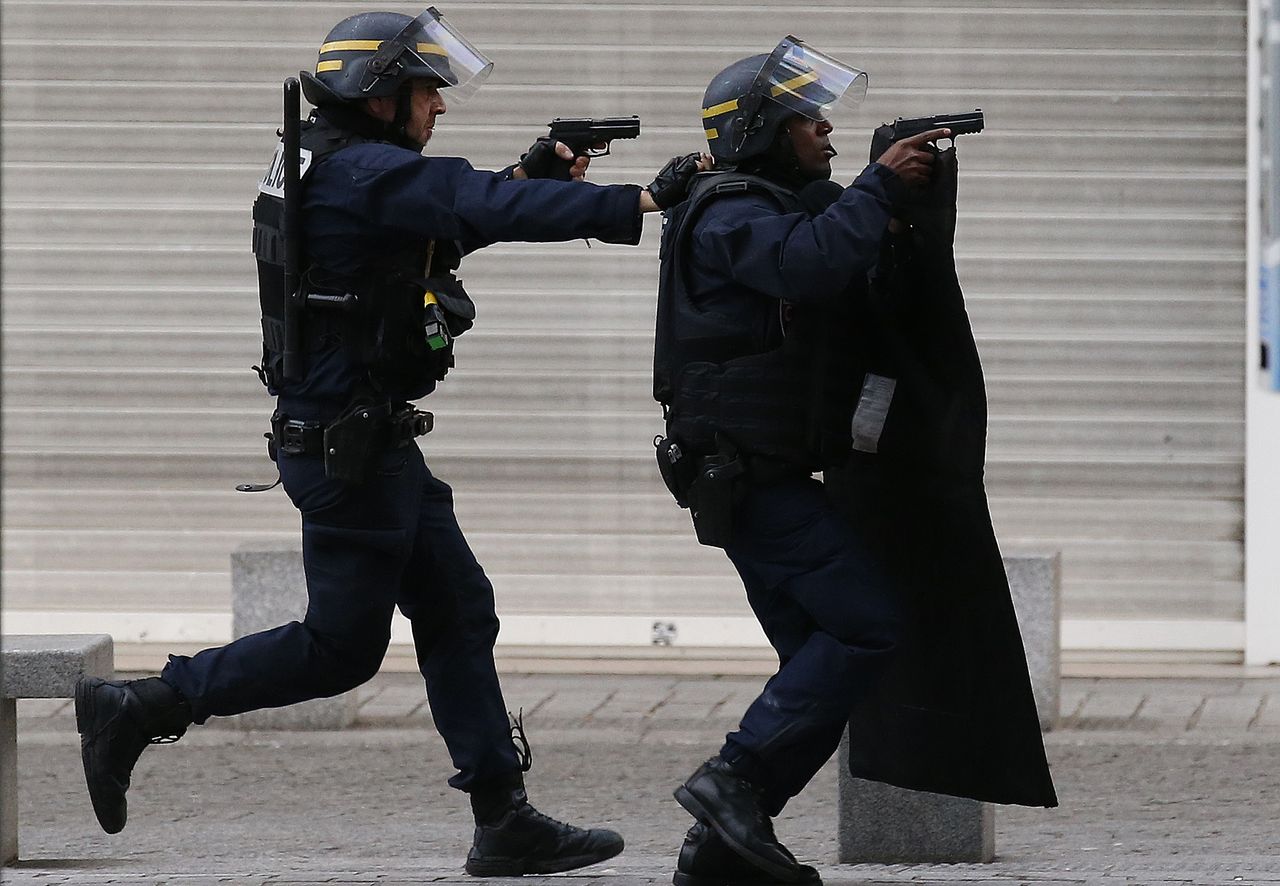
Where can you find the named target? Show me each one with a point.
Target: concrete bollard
(38, 666)
(1035, 583)
(884, 824)
(268, 589)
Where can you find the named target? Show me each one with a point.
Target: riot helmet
(746, 102)
(375, 54)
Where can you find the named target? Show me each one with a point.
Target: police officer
(756, 370)
(384, 229)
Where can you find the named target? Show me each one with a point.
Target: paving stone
(695, 711)
(632, 705)
(708, 692)
(1269, 716)
(526, 698)
(1168, 711)
(1108, 708)
(1071, 700)
(383, 714)
(573, 705)
(1228, 712)
(392, 703)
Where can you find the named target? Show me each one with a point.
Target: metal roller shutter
(1101, 247)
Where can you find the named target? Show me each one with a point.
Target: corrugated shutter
(1101, 247)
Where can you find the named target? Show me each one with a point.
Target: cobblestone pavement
(1161, 782)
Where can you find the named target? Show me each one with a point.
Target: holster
(714, 492)
(351, 440)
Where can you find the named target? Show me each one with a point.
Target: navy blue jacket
(367, 202)
(743, 245)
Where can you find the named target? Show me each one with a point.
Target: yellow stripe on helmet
(723, 107)
(793, 84)
(351, 46)
(373, 46)
(711, 134)
(335, 65)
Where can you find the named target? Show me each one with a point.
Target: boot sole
(86, 711)
(680, 878)
(694, 807)
(518, 867)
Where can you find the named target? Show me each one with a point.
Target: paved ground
(1161, 782)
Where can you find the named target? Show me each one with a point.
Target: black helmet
(746, 102)
(375, 53)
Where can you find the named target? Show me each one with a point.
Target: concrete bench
(38, 666)
(890, 825)
(268, 589)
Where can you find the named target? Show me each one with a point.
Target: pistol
(959, 124)
(590, 137)
(905, 127)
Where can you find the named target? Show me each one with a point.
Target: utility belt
(350, 442)
(711, 485)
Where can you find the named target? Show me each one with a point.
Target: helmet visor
(430, 47)
(807, 81)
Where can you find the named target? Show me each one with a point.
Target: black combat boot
(116, 721)
(706, 860)
(721, 798)
(513, 838)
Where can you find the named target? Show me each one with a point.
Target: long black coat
(955, 714)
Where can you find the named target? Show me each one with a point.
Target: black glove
(671, 186)
(542, 161)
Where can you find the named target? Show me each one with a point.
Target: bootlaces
(530, 811)
(523, 752)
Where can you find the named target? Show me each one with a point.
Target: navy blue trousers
(825, 603)
(393, 541)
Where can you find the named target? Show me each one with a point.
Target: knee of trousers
(827, 658)
(866, 630)
(347, 660)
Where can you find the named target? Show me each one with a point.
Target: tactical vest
(786, 393)
(384, 320)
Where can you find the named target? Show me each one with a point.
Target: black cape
(955, 713)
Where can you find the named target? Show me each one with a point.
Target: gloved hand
(671, 186)
(539, 160)
(548, 158)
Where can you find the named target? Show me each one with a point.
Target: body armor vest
(397, 323)
(783, 389)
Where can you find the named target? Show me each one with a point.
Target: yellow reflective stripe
(793, 84)
(711, 133)
(321, 67)
(372, 46)
(350, 46)
(720, 109)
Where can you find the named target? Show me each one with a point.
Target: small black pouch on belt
(712, 496)
(677, 467)
(353, 439)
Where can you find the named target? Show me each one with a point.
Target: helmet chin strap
(404, 110)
